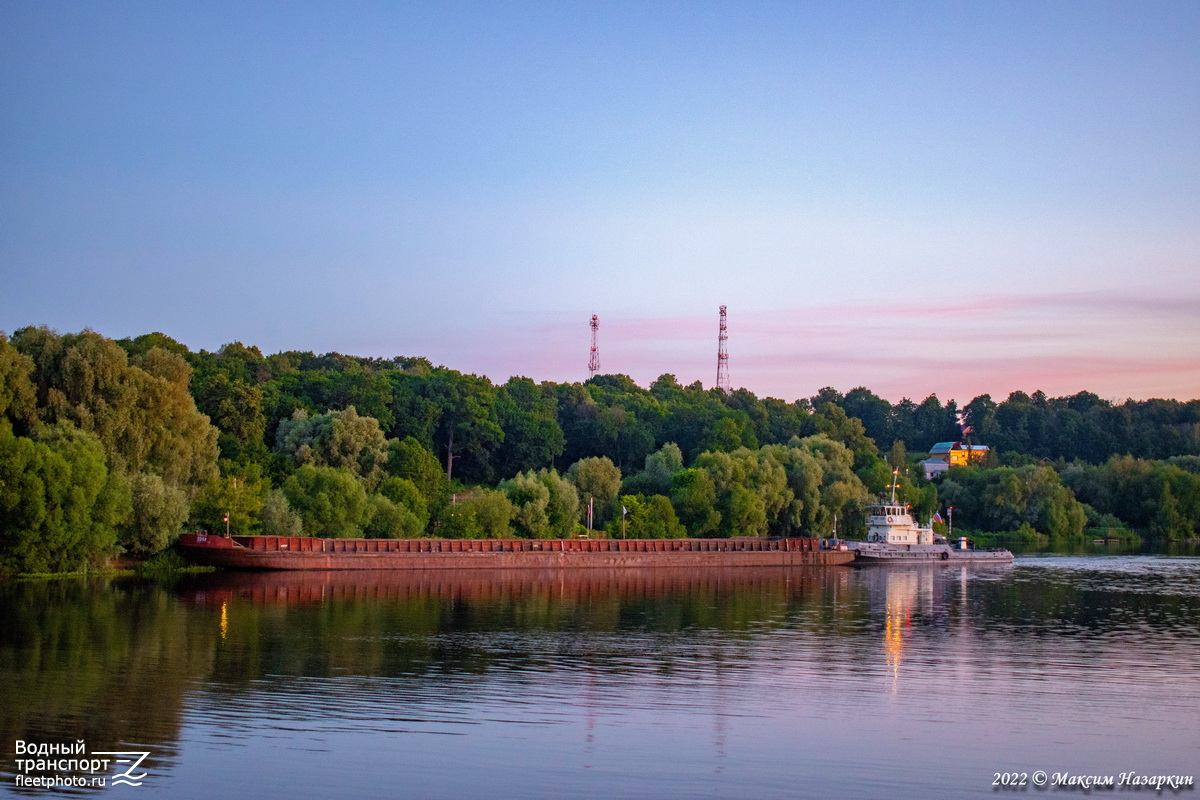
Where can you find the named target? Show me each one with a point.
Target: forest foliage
(115, 446)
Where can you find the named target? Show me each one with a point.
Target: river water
(907, 682)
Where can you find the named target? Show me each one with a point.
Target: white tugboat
(893, 537)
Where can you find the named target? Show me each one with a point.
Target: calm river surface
(898, 682)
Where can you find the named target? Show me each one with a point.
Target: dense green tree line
(116, 446)
(1030, 498)
(99, 449)
(1080, 427)
(1160, 498)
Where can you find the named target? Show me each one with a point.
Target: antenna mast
(594, 361)
(723, 356)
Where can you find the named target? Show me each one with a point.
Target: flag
(937, 517)
(624, 510)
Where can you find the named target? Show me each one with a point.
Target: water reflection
(631, 682)
(97, 660)
(902, 591)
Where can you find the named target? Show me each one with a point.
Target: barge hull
(302, 553)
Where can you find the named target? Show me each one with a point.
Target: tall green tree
(564, 508)
(277, 516)
(330, 502)
(158, 512)
(142, 412)
(527, 415)
(239, 491)
(597, 478)
(18, 400)
(407, 458)
(656, 478)
(646, 518)
(340, 439)
(403, 492)
(479, 514)
(547, 505)
(236, 408)
(455, 416)
(60, 506)
(386, 519)
(694, 496)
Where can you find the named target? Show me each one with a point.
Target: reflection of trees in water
(395, 623)
(979, 625)
(103, 661)
(111, 662)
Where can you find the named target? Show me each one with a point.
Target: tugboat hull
(882, 553)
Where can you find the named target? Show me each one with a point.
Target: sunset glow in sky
(917, 197)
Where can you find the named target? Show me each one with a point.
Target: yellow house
(944, 455)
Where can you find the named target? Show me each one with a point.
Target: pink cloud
(1115, 345)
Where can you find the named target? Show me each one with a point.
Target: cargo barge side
(305, 553)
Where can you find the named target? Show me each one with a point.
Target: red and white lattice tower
(723, 355)
(594, 361)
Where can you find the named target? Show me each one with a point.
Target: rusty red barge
(304, 553)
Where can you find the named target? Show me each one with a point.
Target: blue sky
(917, 197)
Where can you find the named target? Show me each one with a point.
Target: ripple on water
(1146, 574)
(932, 679)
